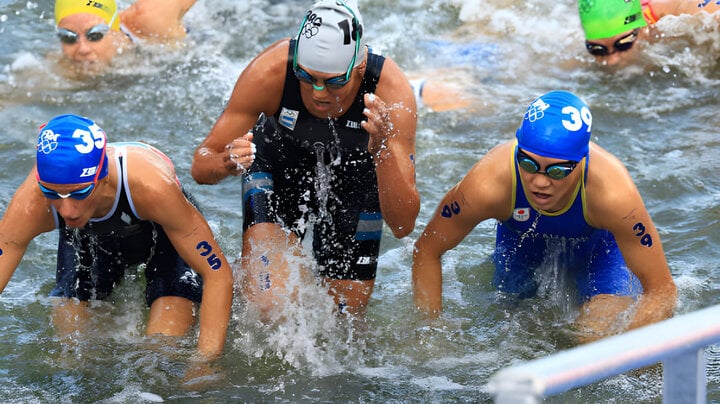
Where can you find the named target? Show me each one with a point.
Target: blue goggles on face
(333, 83)
(80, 194)
(555, 171)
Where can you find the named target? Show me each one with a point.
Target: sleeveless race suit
(91, 260)
(531, 245)
(317, 173)
(648, 13)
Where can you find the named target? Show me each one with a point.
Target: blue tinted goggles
(337, 82)
(333, 83)
(80, 194)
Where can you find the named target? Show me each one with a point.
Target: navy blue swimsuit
(91, 260)
(317, 173)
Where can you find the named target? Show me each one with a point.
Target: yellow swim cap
(107, 9)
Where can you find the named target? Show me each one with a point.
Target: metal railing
(679, 343)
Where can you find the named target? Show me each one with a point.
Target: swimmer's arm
(483, 194)
(162, 202)
(258, 89)
(640, 244)
(619, 208)
(196, 244)
(27, 215)
(675, 7)
(444, 231)
(391, 121)
(157, 19)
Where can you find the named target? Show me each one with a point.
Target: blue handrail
(679, 343)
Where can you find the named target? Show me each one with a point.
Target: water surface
(660, 119)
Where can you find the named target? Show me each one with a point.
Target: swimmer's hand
(202, 375)
(378, 124)
(239, 154)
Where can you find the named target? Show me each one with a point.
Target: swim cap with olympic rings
(557, 125)
(107, 9)
(326, 40)
(70, 149)
(607, 18)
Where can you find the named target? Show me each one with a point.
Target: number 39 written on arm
(645, 239)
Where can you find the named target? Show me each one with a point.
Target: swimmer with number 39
(554, 193)
(117, 205)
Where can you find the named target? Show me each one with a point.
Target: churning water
(661, 119)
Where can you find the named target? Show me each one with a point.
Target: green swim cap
(607, 18)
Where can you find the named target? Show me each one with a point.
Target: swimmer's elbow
(204, 169)
(403, 231)
(201, 176)
(403, 227)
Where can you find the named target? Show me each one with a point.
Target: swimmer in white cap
(117, 206)
(560, 201)
(92, 33)
(321, 97)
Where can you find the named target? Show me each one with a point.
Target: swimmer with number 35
(555, 193)
(118, 205)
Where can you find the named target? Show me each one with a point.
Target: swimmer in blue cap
(322, 96)
(92, 33)
(563, 203)
(118, 205)
(612, 27)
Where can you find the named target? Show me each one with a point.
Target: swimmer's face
(615, 50)
(92, 45)
(325, 101)
(545, 193)
(74, 202)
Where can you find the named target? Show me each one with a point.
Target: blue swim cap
(556, 125)
(71, 150)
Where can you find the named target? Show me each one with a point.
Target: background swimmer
(615, 30)
(92, 33)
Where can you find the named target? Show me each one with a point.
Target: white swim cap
(328, 37)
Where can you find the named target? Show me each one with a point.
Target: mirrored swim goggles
(555, 171)
(621, 45)
(94, 34)
(80, 194)
(332, 83)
